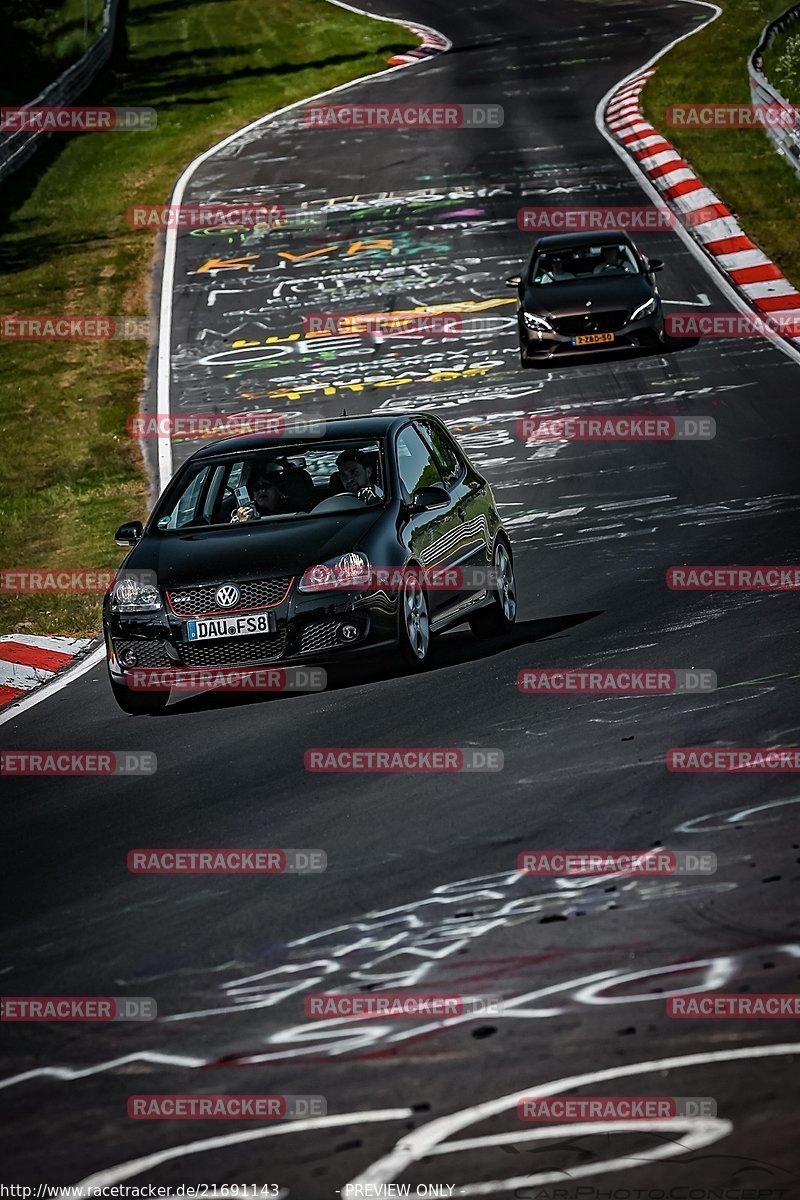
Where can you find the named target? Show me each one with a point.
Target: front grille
(234, 652)
(600, 322)
(255, 593)
(148, 653)
(319, 635)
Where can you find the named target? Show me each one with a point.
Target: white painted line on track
(430, 1138)
(609, 129)
(135, 1166)
(168, 275)
(164, 359)
(16, 708)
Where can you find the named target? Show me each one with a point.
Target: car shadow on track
(452, 649)
(459, 646)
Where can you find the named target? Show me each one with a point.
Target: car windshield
(583, 262)
(275, 484)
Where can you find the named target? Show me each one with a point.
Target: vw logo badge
(227, 595)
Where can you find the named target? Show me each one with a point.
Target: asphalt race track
(421, 890)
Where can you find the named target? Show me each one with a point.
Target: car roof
(336, 429)
(564, 241)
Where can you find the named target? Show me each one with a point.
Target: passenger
(356, 471)
(266, 488)
(553, 270)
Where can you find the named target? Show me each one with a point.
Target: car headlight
(539, 323)
(645, 309)
(132, 595)
(346, 571)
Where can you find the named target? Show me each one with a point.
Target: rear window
(444, 453)
(415, 463)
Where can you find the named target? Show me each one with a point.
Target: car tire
(414, 633)
(523, 361)
(138, 704)
(498, 618)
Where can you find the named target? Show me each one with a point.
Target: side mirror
(129, 533)
(655, 264)
(428, 497)
(514, 281)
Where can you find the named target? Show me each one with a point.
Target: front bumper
(646, 332)
(314, 627)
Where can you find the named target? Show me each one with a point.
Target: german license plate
(592, 339)
(202, 630)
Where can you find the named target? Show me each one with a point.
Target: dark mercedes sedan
(587, 292)
(263, 550)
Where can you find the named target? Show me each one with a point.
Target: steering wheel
(333, 503)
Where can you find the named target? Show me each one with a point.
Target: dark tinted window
(414, 462)
(444, 454)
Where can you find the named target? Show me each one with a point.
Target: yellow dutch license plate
(592, 339)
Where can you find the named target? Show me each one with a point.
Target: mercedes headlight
(538, 323)
(645, 309)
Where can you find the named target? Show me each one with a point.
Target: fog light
(129, 659)
(348, 633)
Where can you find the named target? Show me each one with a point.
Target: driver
(610, 261)
(356, 471)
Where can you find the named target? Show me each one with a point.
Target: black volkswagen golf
(587, 292)
(290, 550)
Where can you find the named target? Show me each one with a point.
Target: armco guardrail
(786, 137)
(16, 146)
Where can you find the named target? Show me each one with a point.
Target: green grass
(41, 40)
(782, 62)
(69, 474)
(741, 165)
